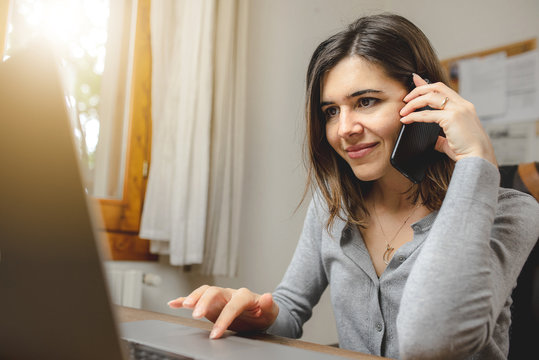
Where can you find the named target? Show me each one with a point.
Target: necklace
(389, 249)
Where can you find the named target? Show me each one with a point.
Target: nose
(349, 124)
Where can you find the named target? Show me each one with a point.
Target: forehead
(354, 73)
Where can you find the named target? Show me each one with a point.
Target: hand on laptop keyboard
(238, 310)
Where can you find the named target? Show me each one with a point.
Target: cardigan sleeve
(468, 265)
(304, 281)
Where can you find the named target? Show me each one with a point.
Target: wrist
(490, 157)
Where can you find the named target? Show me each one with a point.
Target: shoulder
(318, 215)
(516, 219)
(318, 209)
(517, 200)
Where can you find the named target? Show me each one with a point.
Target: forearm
(446, 308)
(304, 281)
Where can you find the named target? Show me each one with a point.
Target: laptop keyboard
(137, 351)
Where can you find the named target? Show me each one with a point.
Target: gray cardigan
(445, 294)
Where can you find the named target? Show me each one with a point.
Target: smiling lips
(361, 150)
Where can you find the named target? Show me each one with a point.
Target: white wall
(459, 27)
(283, 34)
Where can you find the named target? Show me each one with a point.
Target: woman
(416, 270)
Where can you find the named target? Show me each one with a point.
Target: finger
(432, 99)
(188, 301)
(241, 301)
(426, 116)
(191, 300)
(176, 303)
(213, 296)
(425, 88)
(421, 87)
(418, 80)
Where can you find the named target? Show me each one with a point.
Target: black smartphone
(414, 149)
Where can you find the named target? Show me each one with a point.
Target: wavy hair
(400, 49)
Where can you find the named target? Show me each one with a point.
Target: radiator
(126, 286)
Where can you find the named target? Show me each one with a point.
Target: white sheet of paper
(513, 143)
(522, 89)
(483, 81)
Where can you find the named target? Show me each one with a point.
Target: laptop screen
(54, 301)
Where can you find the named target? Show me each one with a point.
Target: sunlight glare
(78, 32)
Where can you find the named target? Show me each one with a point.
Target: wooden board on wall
(451, 64)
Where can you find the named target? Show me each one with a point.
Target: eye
(331, 111)
(366, 102)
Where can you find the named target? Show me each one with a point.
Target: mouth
(360, 150)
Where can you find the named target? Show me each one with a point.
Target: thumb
(443, 146)
(267, 305)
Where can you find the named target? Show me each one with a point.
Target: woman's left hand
(465, 137)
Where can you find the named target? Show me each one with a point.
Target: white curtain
(220, 253)
(191, 209)
(114, 101)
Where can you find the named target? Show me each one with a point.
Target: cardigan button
(379, 327)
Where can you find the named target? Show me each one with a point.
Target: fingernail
(214, 333)
(170, 303)
(188, 301)
(197, 313)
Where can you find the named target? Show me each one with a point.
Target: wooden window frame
(121, 217)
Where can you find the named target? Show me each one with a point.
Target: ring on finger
(442, 106)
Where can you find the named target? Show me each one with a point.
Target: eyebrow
(353, 95)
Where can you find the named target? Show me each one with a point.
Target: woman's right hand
(464, 134)
(238, 310)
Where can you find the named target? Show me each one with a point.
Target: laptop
(54, 300)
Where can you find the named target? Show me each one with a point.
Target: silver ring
(442, 106)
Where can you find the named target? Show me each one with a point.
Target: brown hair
(400, 49)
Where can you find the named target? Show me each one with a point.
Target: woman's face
(361, 105)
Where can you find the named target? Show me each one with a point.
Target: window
(82, 31)
(78, 31)
(93, 38)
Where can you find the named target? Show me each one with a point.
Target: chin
(371, 169)
(366, 174)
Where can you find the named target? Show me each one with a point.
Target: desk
(126, 314)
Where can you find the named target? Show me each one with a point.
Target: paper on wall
(522, 88)
(516, 99)
(513, 127)
(514, 143)
(483, 82)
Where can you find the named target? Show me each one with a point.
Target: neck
(391, 193)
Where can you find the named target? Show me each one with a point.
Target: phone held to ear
(414, 149)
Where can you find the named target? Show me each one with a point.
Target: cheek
(393, 131)
(331, 136)
(389, 126)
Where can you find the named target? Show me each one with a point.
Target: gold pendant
(387, 254)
